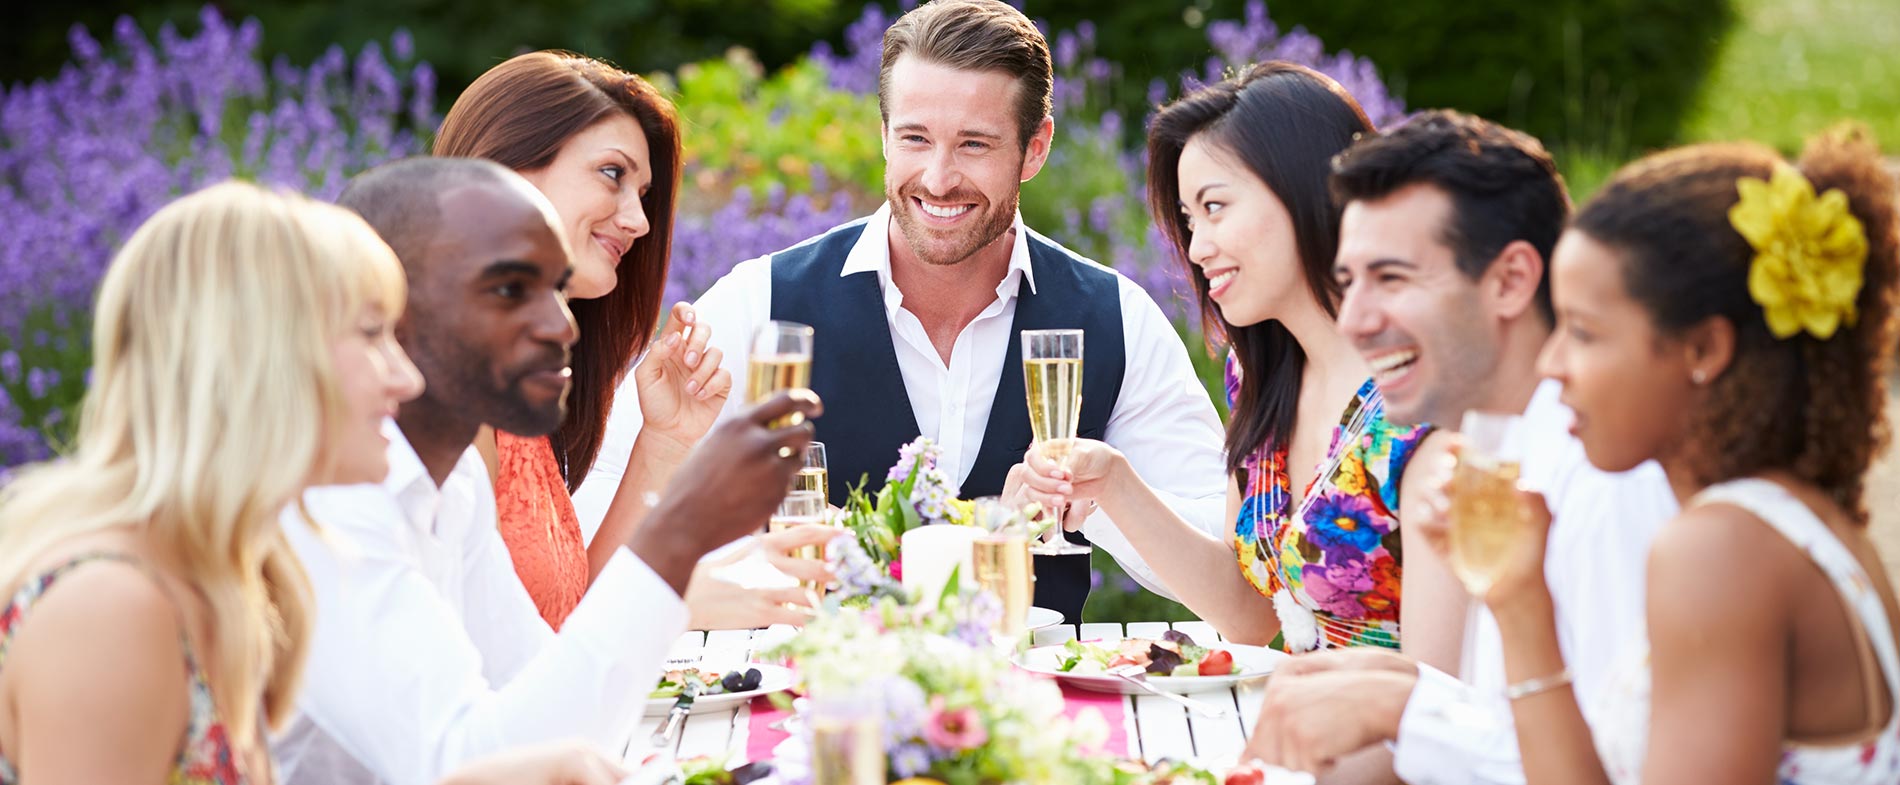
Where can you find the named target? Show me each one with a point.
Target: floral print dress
(206, 757)
(1338, 564)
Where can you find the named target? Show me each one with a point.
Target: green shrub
(746, 129)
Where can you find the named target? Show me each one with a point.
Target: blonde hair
(212, 406)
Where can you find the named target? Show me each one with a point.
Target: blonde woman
(155, 622)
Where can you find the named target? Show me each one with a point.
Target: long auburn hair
(519, 115)
(1285, 122)
(218, 316)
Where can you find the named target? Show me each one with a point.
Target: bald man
(428, 651)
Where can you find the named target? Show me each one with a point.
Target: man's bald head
(402, 200)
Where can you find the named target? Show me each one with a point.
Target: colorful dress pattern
(538, 523)
(205, 759)
(1342, 559)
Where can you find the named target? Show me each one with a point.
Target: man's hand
(728, 487)
(571, 763)
(1356, 658)
(681, 386)
(1309, 722)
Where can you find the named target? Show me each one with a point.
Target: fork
(1138, 676)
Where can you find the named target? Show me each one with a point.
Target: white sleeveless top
(1621, 709)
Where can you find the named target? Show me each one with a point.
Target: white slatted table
(1157, 728)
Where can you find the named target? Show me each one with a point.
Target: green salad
(1173, 654)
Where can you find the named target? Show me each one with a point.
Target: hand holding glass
(1487, 516)
(1052, 379)
(780, 359)
(802, 508)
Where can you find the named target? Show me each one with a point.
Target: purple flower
(89, 154)
(1336, 588)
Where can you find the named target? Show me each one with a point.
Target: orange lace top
(538, 523)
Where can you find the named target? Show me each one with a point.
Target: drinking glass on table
(847, 736)
(1052, 378)
(802, 508)
(780, 359)
(1000, 559)
(1487, 516)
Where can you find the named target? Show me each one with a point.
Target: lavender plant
(127, 126)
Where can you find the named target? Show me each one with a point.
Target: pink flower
(897, 569)
(961, 729)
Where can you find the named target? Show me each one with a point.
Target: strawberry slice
(1217, 663)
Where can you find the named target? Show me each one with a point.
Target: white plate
(772, 678)
(1254, 661)
(1042, 618)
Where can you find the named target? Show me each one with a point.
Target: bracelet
(1529, 687)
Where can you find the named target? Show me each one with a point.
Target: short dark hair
(1813, 407)
(401, 200)
(1284, 123)
(1503, 185)
(975, 35)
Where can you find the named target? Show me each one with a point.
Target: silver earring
(1699, 377)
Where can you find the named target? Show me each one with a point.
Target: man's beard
(948, 248)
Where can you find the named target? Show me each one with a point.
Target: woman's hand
(717, 603)
(681, 386)
(1078, 480)
(1519, 582)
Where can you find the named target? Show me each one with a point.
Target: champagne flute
(780, 360)
(814, 476)
(1487, 517)
(1000, 559)
(801, 508)
(1052, 379)
(847, 736)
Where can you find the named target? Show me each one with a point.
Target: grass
(1791, 68)
(1788, 69)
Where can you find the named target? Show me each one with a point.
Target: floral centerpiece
(915, 493)
(954, 709)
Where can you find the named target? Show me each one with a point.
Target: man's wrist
(671, 554)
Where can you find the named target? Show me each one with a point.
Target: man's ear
(1512, 281)
(1037, 153)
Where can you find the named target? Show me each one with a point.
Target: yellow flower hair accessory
(1809, 252)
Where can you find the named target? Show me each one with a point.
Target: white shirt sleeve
(398, 681)
(1454, 734)
(733, 308)
(1166, 425)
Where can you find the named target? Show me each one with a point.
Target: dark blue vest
(867, 410)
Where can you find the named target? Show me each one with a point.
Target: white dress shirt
(428, 652)
(1163, 420)
(1601, 526)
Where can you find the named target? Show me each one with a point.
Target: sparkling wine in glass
(801, 508)
(1487, 517)
(847, 738)
(1052, 378)
(780, 359)
(1001, 560)
(814, 475)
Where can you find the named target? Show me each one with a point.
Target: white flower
(1299, 629)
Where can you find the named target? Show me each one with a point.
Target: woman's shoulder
(73, 620)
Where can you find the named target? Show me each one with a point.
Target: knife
(664, 738)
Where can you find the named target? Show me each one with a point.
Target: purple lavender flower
(89, 154)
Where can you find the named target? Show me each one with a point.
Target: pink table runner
(761, 738)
